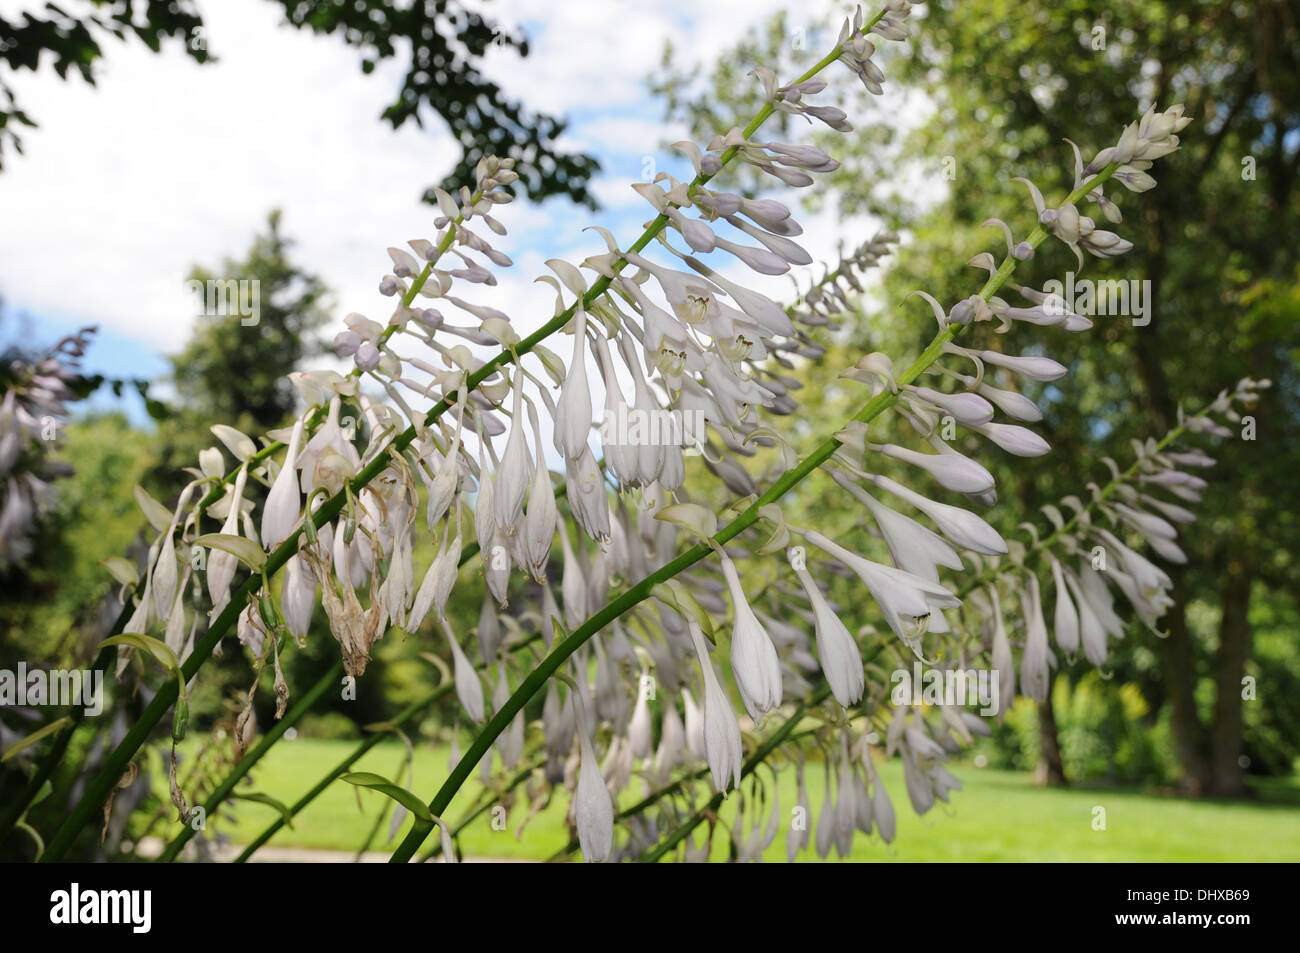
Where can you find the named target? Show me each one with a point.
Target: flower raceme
(666, 330)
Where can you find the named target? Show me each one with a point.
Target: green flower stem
(653, 798)
(642, 590)
(101, 785)
(297, 712)
(54, 754)
(469, 551)
(761, 754)
(253, 755)
(399, 719)
(986, 577)
(488, 803)
(758, 757)
(56, 751)
(1102, 495)
(406, 714)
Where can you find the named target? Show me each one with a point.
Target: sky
(167, 163)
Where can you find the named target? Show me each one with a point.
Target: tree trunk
(1229, 778)
(1051, 770)
(1180, 676)
(1179, 652)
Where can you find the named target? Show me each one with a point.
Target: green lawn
(999, 816)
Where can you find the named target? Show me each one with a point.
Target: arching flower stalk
(924, 743)
(913, 605)
(692, 362)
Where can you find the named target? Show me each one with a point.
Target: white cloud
(167, 163)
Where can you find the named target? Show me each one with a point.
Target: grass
(999, 816)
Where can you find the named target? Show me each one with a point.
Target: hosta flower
(1035, 368)
(573, 410)
(1091, 632)
(284, 502)
(1066, 618)
(952, 470)
(714, 734)
(593, 810)
(329, 457)
(297, 597)
(753, 657)
(841, 660)
(586, 494)
(539, 520)
(510, 484)
(468, 687)
(961, 526)
(1035, 677)
(882, 808)
(672, 742)
(905, 600)
(221, 564)
(1003, 664)
(796, 839)
(695, 725)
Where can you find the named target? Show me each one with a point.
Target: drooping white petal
(284, 501)
(754, 660)
(841, 659)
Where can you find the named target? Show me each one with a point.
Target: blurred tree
(441, 41)
(235, 373)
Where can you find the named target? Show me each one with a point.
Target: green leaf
(502, 331)
(122, 569)
(551, 361)
(269, 802)
(780, 536)
(159, 517)
(680, 598)
(378, 782)
(155, 647)
(245, 550)
(35, 736)
(698, 519)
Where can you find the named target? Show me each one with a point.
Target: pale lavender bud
(954, 471)
(1020, 441)
(367, 356)
(512, 477)
(573, 409)
(346, 343)
(961, 526)
(1012, 403)
(966, 408)
(468, 687)
(1042, 369)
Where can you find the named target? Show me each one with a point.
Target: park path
(151, 847)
